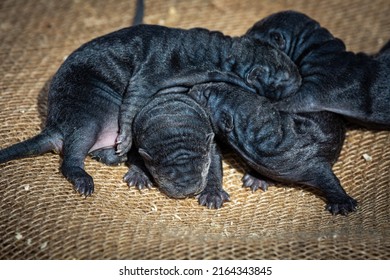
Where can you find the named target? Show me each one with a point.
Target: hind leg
(108, 156)
(75, 150)
(254, 181)
(323, 178)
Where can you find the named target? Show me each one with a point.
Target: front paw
(108, 156)
(123, 143)
(343, 208)
(84, 185)
(81, 180)
(254, 183)
(137, 178)
(213, 198)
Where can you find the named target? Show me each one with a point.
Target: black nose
(284, 84)
(258, 74)
(287, 83)
(274, 84)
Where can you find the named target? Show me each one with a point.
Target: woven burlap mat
(41, 217)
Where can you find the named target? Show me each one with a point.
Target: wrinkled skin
(175, 138)
(112, 77)
(199, 56)
(285, 147)
(333, 79)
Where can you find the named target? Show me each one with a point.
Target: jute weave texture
(41, 217)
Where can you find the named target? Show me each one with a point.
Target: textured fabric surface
(41, 216)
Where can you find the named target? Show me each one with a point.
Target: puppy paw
(82, 182)
(213, 198)
(137, 178)
(84, 185)
(254, 183)
(108, 156)
(342, 208)
(123, 143)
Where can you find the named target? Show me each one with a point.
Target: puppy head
(283, 30)
(181, 170)
(273, 74)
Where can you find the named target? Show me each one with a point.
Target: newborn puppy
(285, 147)
(115, 75)
(161, 58)
(175, 138)
(354, 85)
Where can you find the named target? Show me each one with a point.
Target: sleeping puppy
(285, 147)
(112, 77)
(160, 58)
(334, 80)
(175, 138)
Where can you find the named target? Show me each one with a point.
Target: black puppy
(354, 85)
(285, 147)
(175, 138)
(124, 69)
(160, 58)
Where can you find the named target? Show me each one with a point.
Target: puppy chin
(175, 191)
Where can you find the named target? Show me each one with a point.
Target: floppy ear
(144, 155)
(226, 122)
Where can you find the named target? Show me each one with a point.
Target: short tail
(139, 12)
(44, 142)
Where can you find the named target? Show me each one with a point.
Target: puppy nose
(258, 74)
(282, 76)
(270, 78)
(274, 83)
(285, 83)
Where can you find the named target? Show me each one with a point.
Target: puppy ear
(144, 154)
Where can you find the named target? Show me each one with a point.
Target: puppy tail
(139, 12)
(47, 140)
